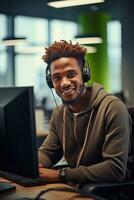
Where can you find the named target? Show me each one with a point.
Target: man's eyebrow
(54, 74)
(69, 70)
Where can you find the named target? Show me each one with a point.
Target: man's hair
(64, 49)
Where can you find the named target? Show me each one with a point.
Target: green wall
(95, 24)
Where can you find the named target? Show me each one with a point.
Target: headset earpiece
(86, 73)
(48, 78)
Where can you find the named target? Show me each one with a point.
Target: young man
(91, 129)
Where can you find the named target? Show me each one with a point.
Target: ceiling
(39, 8)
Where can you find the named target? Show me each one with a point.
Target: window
(3, 53)
(62, 30)
(28, 56)
(114, 55)
(34, 29)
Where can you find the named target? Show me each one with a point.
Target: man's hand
(49, 174)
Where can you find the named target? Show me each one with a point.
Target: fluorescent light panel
(91, 49)
(69, 3)
(30, 49)
(89, 40)
(13, 42)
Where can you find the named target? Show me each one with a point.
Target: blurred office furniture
(121, 96)
(41, 126)
(47, 109)
(116, 191)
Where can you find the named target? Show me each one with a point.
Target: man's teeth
(67, 90)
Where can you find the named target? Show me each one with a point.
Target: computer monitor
(18, 149)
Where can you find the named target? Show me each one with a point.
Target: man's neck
(81, 102)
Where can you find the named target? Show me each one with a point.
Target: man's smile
(67, 90)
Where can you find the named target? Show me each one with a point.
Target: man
(91, 129)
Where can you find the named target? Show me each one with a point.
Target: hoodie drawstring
(85, 140)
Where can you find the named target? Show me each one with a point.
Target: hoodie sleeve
(51, 151)
(115, 149)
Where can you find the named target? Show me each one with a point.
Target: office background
(40, 25)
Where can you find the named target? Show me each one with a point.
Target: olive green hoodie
(95, 142)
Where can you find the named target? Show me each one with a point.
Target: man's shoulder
(112, 102)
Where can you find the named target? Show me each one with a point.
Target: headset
(85, 73)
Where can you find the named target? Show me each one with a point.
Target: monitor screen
(18, 149)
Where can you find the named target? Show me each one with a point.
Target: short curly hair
(64, 49)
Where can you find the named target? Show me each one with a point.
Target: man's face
(67, 78)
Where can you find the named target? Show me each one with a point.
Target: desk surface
(32, 192)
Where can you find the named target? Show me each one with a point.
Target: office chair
(115, 191)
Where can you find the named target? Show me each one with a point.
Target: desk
(31, 192)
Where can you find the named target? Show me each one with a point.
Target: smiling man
(91, 129)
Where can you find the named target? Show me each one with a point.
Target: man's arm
(51, 150)
(49, 174)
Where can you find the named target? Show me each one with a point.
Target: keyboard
(27, 182)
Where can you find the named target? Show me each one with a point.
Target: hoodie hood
(96, 96)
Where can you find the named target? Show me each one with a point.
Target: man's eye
(56, 78)
(71, 74)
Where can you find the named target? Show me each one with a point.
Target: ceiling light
(69, 3)
(91, 49)
(13, 41)
(29, 49)
(89, 40)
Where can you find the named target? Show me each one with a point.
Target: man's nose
(65, 82)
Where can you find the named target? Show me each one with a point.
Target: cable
(73, 190)
(56, 102)
(56, 189)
